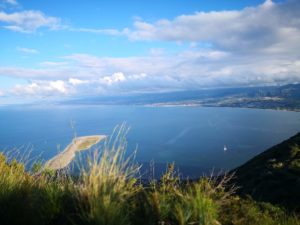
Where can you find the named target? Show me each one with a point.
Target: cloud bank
(28, 21)
(268, 27)
(249, 47)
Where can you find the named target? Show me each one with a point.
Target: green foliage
(295, 163)
(237, 211)
(295, 151)
(107, 184)
(27, 199)
(171, 201)
(36, 167)
(108, 192)
(273, 176)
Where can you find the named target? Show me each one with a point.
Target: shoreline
(163, 105)
(215, 106)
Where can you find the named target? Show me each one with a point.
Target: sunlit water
(192, 137)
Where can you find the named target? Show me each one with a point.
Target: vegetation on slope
(107, 192)
(274, 175)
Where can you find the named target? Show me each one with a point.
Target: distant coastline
(216, 106)
(285, 97)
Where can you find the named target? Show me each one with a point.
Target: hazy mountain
(273, 97)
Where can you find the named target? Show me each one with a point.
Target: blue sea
(192, 137)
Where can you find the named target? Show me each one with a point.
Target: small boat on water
(225, 148)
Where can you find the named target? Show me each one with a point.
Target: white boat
(225, 148)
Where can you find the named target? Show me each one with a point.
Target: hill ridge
(274, 175)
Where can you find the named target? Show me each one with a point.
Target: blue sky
(62, 48)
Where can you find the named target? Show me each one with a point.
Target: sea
(199, 140)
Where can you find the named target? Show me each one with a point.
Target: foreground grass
(107, 192)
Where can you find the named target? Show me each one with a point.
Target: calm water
(193, 137)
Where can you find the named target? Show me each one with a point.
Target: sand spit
(64, 158)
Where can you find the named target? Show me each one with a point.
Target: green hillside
(274, 175)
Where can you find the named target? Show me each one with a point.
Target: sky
(56, 49)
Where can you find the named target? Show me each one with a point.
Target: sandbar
(64, 158)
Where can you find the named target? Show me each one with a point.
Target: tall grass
(108, 191)
(175, 203)
(108, 182)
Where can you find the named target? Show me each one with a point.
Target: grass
(108, 191)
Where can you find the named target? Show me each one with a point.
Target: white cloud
(28, 73)
(88, 74)
(42, 88)
(113, 32)
(53, 64)
(1, 93)
(115, 78)
(267, 26)
(59, 86)
(12, 2)
(76, 82)
(253, 46)
(29, 21)
(27, 50)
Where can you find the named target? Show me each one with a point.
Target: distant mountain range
(268, 97)
(274, 175)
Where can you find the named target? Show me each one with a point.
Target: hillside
(274, 175)
(265, 97)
